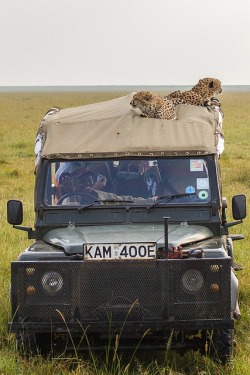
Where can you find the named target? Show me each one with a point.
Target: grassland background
(20, 114)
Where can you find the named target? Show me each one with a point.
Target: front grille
(118, 291)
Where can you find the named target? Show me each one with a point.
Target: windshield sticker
(202, 183)
(196, 165)
(203, 194)
(190, 189)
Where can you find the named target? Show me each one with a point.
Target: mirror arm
(31, 232)
(232, 224)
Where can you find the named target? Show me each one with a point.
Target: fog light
(214, 288)
(192, 281)
(52, 282)
(31, 290)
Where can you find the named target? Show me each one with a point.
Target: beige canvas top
(113, 129)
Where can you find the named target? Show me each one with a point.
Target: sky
(123, 42)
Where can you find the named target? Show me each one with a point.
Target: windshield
(130, 182)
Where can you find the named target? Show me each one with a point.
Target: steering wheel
(89, 198)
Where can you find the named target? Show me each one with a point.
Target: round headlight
(52, 282)
(192, 281)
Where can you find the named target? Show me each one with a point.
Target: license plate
(119, 251)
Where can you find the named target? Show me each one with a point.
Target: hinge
(214, 208)
(40, 212)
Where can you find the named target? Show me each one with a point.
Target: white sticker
(196, 165)
(202, 183)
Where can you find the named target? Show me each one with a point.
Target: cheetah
(201, 94)
(153, 106)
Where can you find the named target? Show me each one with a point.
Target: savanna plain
(20, 114)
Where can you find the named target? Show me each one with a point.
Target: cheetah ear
(211, 84)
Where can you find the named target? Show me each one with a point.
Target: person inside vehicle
(134, 177)
(84, 191)
(64, 174)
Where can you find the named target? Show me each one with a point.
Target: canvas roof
(113, 128)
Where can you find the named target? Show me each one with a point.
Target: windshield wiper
(170, 197)
(80, 209)
(104, 201)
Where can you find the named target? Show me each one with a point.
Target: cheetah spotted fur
(201, 94)
(153, 106)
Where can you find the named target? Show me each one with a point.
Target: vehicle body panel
(147, 255)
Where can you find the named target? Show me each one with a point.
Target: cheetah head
(141, 97)
(211, 85)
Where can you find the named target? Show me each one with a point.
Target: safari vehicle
(131, 241)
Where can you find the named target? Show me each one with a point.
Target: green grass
(19, 120)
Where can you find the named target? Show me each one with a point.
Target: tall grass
(19, 120)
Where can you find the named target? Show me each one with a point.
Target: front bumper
(133, 296)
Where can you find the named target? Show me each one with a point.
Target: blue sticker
(190, 189)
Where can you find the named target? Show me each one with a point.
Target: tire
(220, 345)
(33, 344)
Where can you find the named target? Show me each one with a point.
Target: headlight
(192, 281)
(52, 282)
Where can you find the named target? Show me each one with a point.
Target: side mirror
(239, 207)
(14, 212)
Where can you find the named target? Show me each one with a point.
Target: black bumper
(132, 296)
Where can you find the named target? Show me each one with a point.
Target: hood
(71, 239)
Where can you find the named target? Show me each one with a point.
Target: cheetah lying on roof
(154, 106)
(201, 94)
